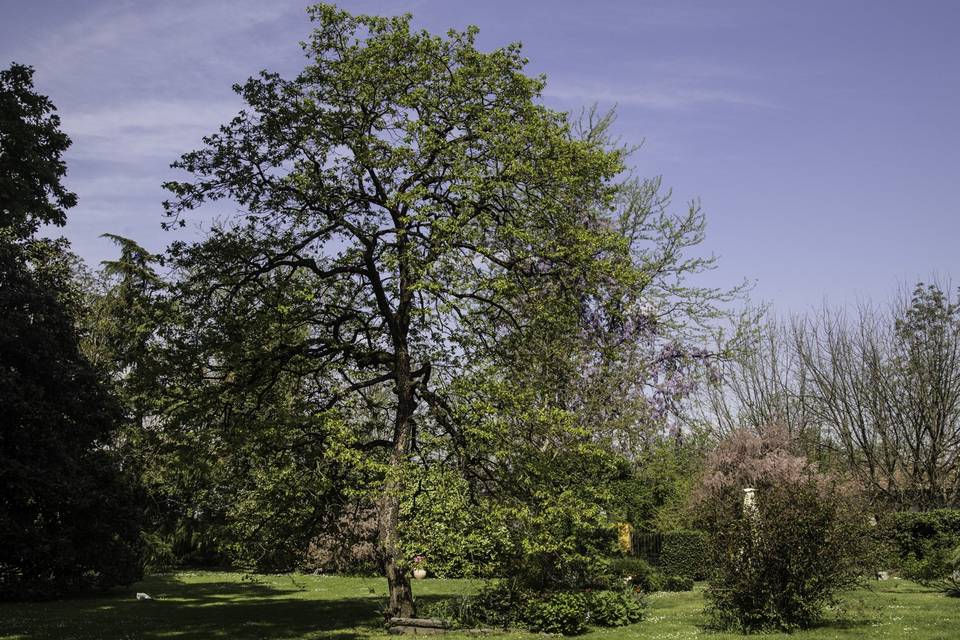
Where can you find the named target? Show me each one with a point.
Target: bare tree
(765, 385)
(887, 388)
(877, 390)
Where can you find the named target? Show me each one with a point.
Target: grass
(195, 605)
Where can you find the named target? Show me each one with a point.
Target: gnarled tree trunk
(398, 581)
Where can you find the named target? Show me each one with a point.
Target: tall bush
(781, 562)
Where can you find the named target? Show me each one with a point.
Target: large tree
(68, 519)
(407, 194)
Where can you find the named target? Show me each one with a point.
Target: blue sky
(821, 138)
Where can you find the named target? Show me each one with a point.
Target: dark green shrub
(615, 608)
(685, 553)
(934, 565)
(505, 605)
(560, 612)
(678, 583)
(635, 572)
(499, 604)
(917, 543)
(938, 568)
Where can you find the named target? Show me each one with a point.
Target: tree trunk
(398, 580)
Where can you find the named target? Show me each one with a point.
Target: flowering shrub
(781, 562)
(349, 548)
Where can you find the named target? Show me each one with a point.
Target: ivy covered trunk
(398, 582)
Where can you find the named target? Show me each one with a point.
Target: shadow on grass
(193, 611)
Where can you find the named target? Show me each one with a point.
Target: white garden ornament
(750, 501)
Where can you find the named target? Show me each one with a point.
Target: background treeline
(874, 392)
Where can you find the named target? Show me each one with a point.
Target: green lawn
(195, 605)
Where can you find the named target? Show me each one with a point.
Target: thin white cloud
(110, 186)
(661, 97)
(656, 15)
(143, 37)
(144, 129)
(140, 83)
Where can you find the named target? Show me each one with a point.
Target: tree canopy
(408, 212)
(67, 512)
(31, 150)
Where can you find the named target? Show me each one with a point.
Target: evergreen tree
(68, 517)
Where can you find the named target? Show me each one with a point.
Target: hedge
(685, 553)
(908, 533)
(678, 583)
